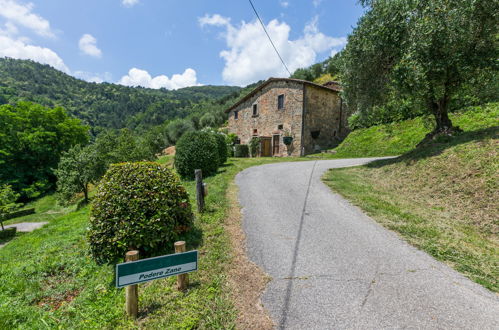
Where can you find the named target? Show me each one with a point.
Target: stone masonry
(312, 114)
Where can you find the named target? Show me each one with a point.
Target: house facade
(313, 115)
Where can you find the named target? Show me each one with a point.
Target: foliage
(254, 146)
(422, 51)
(8, 198)
(222, 147)
(322, 72)
(117, 146)
(107, 105)
(241, 150)
(32, 138)
(138, 206)
(197, 150)
(77, 169)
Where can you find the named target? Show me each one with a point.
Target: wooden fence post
(182, 279)
(132, 291)
(199, 190)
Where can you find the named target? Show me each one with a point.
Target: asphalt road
(333, 267)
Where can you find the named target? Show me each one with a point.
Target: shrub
(196, 150)
(241, 150)
(254, 146)
(138, 206)
(222, 148)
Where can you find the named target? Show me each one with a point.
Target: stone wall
(269, 117)
(322, 114)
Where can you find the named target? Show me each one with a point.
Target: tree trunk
(440, 111)
(444, 126)
(85, 192)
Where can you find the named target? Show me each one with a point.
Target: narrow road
(333, 267)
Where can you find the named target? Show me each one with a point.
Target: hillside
(442, 197)
(401, 137)
(104, 105)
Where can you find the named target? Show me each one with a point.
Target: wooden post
(182, 279)
(132, 291)
(199, 190)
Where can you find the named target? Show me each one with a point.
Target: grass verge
(48, 280)
(398, 138)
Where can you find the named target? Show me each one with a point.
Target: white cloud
(88, 45)
(138, 77)
(21, 14)
(250, 56)
(93, 77)
(316, 3)
(216, 20)
(129, 3)
(10, 47)
(284, 4)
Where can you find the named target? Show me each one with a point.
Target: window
(235, 114)
(255, 131)
(280, 102)
(315, 134)
(280, 126)
(255, 110)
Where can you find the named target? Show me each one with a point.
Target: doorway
(275, 145)
(265, 150)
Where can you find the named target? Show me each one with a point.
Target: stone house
(313, 115)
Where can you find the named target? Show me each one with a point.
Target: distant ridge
(103, 105)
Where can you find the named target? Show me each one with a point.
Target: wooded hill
(105, 105)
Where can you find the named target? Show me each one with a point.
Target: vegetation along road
(334, 267)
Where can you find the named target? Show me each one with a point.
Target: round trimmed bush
(222, 148)
(138, 206)
(196, 150)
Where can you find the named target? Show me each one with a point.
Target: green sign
(145, 270)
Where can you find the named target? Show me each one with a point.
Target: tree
(8, 198)
(419, 50)
(77, 169)
(32, 138)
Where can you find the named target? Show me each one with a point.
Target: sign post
(134, 271)
(182, 279)
(132, 291)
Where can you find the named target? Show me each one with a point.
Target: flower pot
(287, 140)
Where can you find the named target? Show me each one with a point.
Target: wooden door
(265, 150)
(275, 145)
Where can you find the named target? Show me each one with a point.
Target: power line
(270, 39)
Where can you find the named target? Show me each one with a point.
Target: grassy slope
(441, 198)
(48, 280)
(398, 138)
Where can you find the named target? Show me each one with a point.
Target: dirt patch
(246, 280)
(54, 303)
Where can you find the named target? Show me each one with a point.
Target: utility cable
(270, 39)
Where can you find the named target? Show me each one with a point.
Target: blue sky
(174, 43)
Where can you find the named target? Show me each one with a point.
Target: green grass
(46, 209)
(48, 279)
(442, 198)
(398, 138)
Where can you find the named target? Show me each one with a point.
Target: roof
(331, 86)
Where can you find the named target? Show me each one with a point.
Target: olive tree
(419, 50)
